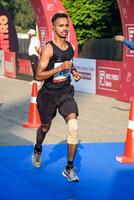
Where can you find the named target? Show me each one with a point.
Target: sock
(38, 150)
(69, 164)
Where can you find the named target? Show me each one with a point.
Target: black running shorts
(48, 101)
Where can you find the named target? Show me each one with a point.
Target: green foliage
(22, 13)
(4, 3)
(91, 19)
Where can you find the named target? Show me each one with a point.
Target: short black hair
(58, 15)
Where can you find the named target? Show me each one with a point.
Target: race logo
(8, 35)
(130, 36)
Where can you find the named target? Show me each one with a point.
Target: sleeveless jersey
(60, 79)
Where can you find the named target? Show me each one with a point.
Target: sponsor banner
(127, 81)
(24, 68)
(4, 33)
(42, 33)
(1, 63)
(10, 64)
(8, 35)
(108, 78)
(87, 70)
(129, 29)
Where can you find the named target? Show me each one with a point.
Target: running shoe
(70, 174)
(36, 159)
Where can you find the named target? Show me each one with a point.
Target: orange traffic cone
(34, 118)
(129, 144)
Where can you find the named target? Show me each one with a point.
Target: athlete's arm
(47, 54)
(76, 75)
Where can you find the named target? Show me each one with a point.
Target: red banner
(127, 82)
(44, 10)
(10, 64)
(24, 67)
(8, 35)
(108, 76)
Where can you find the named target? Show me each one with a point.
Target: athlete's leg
(72, 140)
(47, 111)
(41, 133)
(69, 171)
(69, 110)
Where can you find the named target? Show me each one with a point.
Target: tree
(5, 3)
(21, 12)
(91, 19)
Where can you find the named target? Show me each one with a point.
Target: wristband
(73, 69)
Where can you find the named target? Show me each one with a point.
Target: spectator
(34, 51)
(128, 43)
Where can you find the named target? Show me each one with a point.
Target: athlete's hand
(76, 75)
(65, 65)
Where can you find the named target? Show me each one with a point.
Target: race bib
(60, 76)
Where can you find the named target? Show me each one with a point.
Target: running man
(55, 67)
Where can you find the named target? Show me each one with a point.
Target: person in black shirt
(55, 67)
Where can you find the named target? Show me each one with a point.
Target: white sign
(130, 35)
(87, 70)
(1, 63)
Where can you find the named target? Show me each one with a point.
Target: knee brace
(73, 131)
